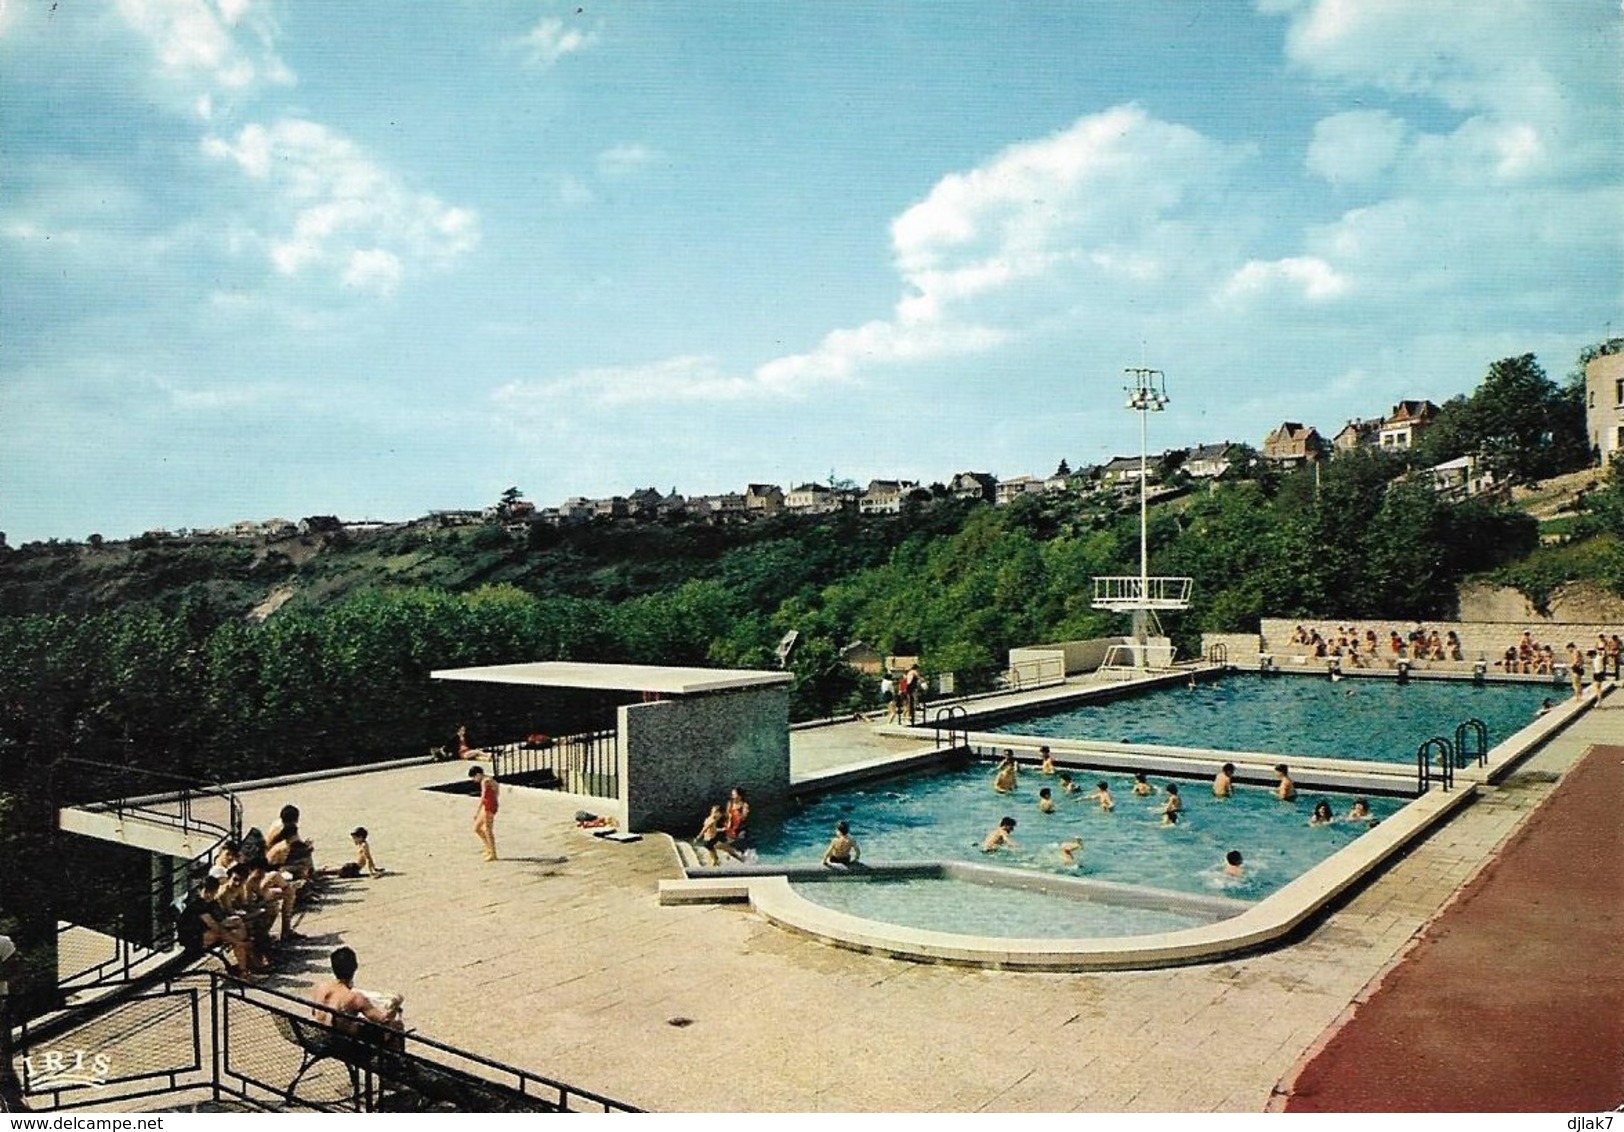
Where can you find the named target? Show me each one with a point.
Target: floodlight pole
(1147, 394)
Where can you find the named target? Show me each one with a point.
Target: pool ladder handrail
(1425, 775)
(951, 713)
(1472, 742)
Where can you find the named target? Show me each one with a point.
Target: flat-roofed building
(1604, 402)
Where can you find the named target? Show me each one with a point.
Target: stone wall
(1080, 656)
(680, 756)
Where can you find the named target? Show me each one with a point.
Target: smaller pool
(965, 907)
(1371, 719)
(944, 815)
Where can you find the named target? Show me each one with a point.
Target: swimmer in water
(1102, 793)
(1322, 814)
(1223, 785)
(1361, 812)
(1141, 788)
(1070, 849)
(1004, 781)
(1000, 837)
(1047, 765)
(1174, 804)
(1067, 786)
(1233, 863)
(1285, 789)
(1045, 801)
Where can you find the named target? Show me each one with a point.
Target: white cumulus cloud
(329, 206)
(551, 39)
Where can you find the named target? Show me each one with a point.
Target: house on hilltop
(1293, 444)
(1405, 424)
(1357, 434)
(1208, 461)
(1604, 401)
(764, 498)
(974, 485)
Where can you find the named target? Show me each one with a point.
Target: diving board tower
(1143, 596)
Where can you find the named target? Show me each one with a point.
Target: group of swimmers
(1006, 778)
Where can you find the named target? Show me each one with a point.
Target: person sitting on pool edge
(1141, 788)
(999, 838)
(1004, 781)
(1045, 801)
(1285, 789)
(843, 850)
(1102, 792)
(1322, 813)
(1223, 784)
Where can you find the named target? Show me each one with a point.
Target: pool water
(945, 815)
(1368, 719)
(977, 909)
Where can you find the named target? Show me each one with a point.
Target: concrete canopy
(616, 677)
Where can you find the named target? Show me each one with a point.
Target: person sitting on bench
(342, 1004)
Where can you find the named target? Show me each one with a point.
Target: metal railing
(1218, 654)
(953, 714)
(584, 763)
(1472, 743)
(1037, 672)
(128, 792)
(1425, 775)
(1134, 592)
(133, 791)
(207, 1034)
(267, 1044)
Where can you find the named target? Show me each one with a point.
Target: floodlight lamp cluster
(1148, 393)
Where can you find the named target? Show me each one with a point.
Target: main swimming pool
(944, 815)
(1376, 720)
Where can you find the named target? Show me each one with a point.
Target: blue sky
(276, 259)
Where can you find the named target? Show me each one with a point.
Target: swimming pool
(1375, 720)
(948, 905)
(945, 814)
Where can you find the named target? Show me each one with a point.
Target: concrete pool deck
(560, 958)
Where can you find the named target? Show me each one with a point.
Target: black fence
(205, 1037)
(587, 763)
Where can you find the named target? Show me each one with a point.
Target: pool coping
(1269, 921)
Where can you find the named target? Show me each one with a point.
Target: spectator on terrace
(1576, 669)
(210, 925)
(464, 751)
(1370, 643)
(1544, 661)
(1395, 644)
(342, 1004)
(1598, 671)
(1452, 645)
(363, 853)
(1435, 646)
(485, 812)
(1299, 636)
(1615, 655)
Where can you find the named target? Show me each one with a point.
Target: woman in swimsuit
(485, 815)
(738, 813)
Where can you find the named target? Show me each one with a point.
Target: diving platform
(1127, 594)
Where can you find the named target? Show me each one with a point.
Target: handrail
(188, 789)
(1478, 732)
(401, 1057)
(952, 713)
(1424, 774)
(1218, 653)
